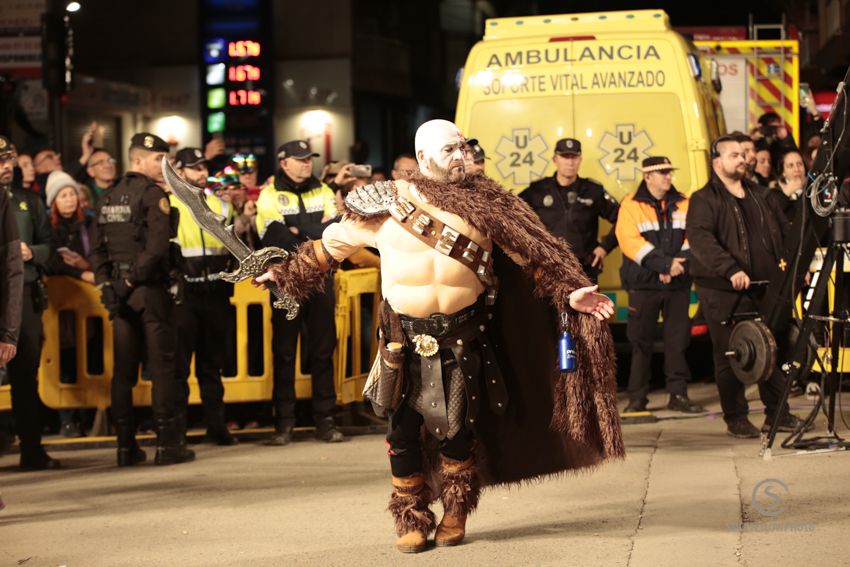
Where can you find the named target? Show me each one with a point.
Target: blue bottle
(567, 352)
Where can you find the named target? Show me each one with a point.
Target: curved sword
(251, 263)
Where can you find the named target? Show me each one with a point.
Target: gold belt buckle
(426, 345)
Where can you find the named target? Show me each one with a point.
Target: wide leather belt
(439, 324)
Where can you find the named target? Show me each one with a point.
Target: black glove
(122, 290)
(109, 299)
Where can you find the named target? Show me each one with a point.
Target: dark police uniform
(283, 204)
(573, 212)
(203, 312)
(34, 230)
(131, 259)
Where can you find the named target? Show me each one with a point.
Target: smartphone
(64, 250)
(360, 170)
(805, 94)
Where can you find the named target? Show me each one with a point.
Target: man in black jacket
(34, 231)
(570, 206)
(736, 238)
(294, 206)
(651, 233)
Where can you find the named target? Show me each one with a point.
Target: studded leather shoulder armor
(373, 199)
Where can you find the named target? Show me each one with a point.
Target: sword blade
(215, 224)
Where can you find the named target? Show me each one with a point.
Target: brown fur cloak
(555, 422)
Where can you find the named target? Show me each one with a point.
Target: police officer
(293, 207)
(34, 232)
(132, 261)
(205, 302)
(570, 206)
(474, 158)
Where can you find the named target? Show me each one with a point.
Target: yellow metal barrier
(93, 390)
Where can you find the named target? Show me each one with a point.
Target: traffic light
(56, 52)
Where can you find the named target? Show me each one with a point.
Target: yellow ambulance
(623, 83)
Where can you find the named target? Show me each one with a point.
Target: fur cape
(579, 410)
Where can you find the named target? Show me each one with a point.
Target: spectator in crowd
(27, 170)
(651, 232)
(245, 225)
(764, 166)
(791, 183)
(11, 276)
(201, 314)
(101, 173)
(70, 228)
(570, 206)
(736, 237)
(246, 164)
(33, 228)
(474, 158)
(773, 131)
(86, 201)
(133, 262)
(295, 206)
(405, 167)
(44, 161)
(379, 174)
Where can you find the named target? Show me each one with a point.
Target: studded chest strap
(444, 239)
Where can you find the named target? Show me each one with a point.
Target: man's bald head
(440, 148)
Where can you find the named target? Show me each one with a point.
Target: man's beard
(6, 178)
(452, 174)
(736, 174)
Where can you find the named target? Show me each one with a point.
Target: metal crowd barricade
(92, 388)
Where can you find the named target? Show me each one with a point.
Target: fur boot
(459, 493)
(414, 521)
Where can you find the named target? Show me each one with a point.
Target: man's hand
(665, 278)
(294, 230)
(599, 254)
(7, 353)
(26, 252)
(677, 267)
(260, 280)
(87, 144)
(344, 175)
(588, 300)
(74, 260)
(88, 277)
(214, 148)
(740, 280)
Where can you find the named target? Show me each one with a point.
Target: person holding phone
(70, 229)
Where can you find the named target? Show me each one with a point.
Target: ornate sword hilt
(254, 265)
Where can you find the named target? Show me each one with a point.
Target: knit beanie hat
(56, 181)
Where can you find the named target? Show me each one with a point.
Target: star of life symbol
(625, 149)
(523, 156)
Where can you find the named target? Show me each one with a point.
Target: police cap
(656, 163)
(568, 146)
(298, 149)
(475, 149)
(149, 142)
(6, 146)
(188, 157)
